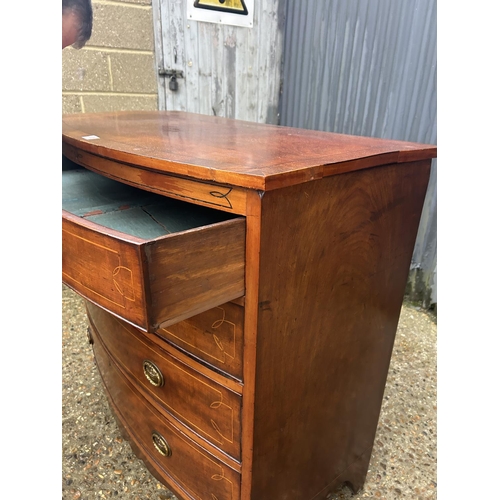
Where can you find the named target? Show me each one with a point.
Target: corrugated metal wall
(368, 67)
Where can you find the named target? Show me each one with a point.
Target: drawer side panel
(196, 271)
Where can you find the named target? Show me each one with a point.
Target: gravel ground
(98, 463)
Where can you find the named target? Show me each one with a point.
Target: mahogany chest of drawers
(243, 285)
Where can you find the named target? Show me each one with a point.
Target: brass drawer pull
(152, 373)
(161, 444)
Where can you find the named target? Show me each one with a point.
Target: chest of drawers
(243, 285)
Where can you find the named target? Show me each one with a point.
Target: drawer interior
(131, 210)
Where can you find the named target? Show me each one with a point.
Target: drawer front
(187, 467)
(104, 269)
(207, 408)
(157, 283)
(215, 336)
(151, 260)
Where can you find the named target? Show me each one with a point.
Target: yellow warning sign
(230, 6)
(234, 12)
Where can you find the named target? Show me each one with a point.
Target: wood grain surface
(204, 406)
(334, 259)
(235, 152)
(215, 336)
(154, 283)
(321, 258)
(190, 470)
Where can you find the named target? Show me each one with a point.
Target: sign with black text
(234, 12)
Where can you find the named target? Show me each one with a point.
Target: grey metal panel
(368, 68)
(228, 70)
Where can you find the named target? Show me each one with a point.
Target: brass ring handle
(152, 373)
(161, 444)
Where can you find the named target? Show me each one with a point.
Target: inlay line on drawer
(227, 198)
(150, 260)
(230, 383)
(142, 422)
(214, 336)
(207, 408)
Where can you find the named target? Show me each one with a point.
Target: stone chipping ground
(98, 463)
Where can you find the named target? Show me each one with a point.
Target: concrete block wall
(116, 69)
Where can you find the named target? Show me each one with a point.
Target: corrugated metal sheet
(367, 67)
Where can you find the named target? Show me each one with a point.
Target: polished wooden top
(240, 153)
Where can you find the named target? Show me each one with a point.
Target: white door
(213, 67)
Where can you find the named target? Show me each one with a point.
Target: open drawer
(148, 259)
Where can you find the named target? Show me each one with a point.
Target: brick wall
(116, 69)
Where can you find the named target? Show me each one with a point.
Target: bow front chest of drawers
(243, 285)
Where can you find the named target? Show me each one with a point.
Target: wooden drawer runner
(149, 259)
(215, 336)
(187, 468)
(210, 410)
